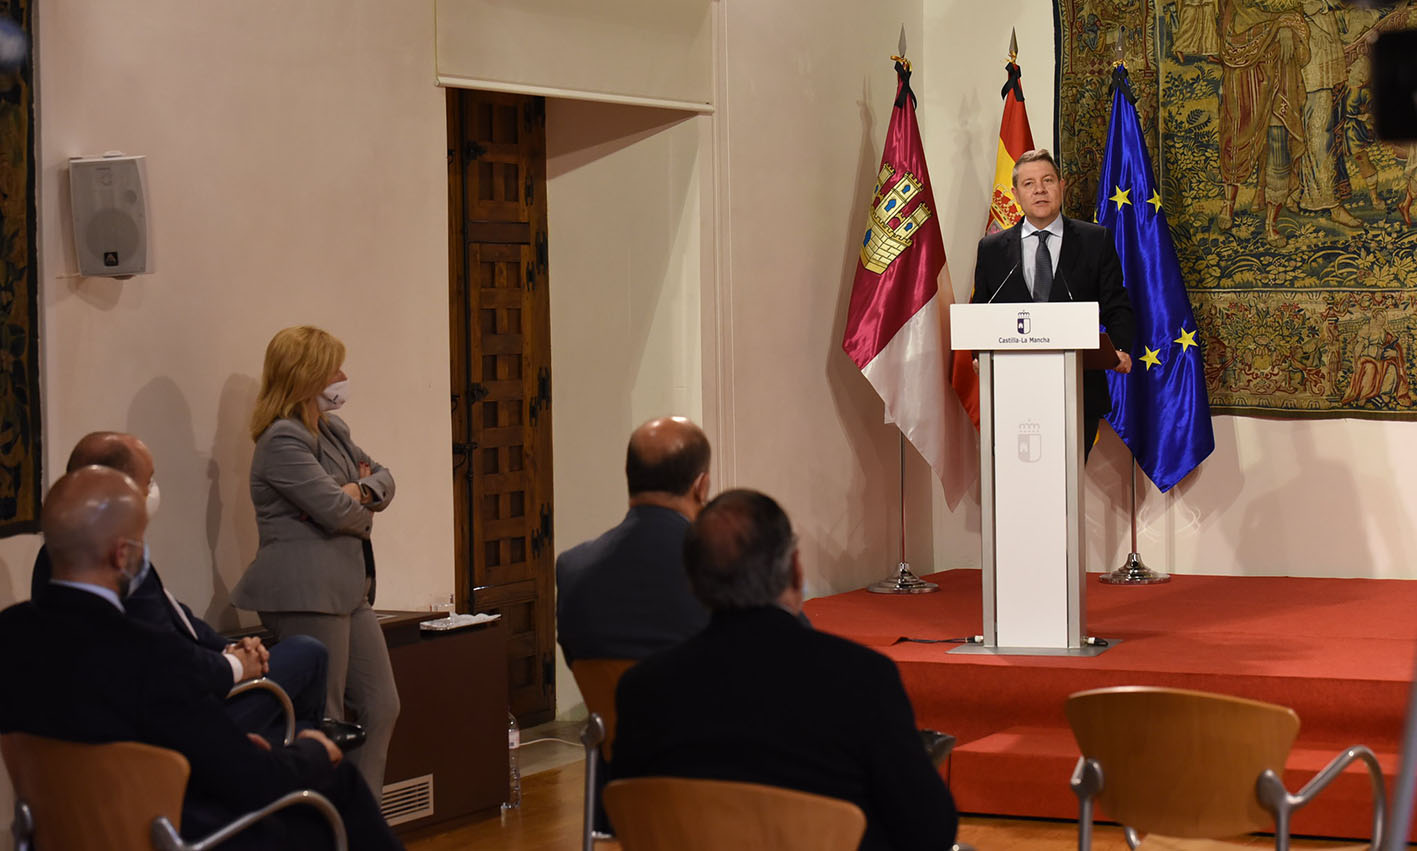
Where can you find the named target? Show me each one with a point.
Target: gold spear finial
(1013, 46)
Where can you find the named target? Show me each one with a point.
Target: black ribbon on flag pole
(1012, 84)
(902, 72)
(1120, 80)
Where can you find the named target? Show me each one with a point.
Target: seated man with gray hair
(759, 698)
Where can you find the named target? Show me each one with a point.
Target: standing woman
(315, 494)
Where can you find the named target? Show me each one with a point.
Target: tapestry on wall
(19, 349)
(1293, 222)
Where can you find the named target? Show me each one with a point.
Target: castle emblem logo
(889, 228)
(1025, 322)
(1030, 443)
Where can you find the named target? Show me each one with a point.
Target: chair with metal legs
(118, 796)
(1186, 768)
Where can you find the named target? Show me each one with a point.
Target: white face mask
(130, 581)
(334, 396)
(154, 498)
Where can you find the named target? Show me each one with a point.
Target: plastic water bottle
(514, 778)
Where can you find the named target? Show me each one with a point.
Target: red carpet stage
(1338, 651)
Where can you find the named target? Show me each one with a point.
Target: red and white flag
(1015, 137)
(897, 327)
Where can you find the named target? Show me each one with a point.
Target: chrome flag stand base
(903, 582)
(1134, 572)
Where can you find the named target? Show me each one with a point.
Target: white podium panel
(1030, 440)
(1031, 570)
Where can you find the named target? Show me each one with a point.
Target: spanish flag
(1015, 137)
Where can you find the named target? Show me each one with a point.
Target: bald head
(123, 452)
(668, 456)
(93, 519)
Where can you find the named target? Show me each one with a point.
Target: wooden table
(451, 733)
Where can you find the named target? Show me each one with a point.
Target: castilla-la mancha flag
(896, 327)
(1015, 137)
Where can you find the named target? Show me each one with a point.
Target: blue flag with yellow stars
(1160, 410)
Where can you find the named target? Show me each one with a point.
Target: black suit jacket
(1088, 270)
(76, 668)
(759, 698)
(625, 594)
(148, 604)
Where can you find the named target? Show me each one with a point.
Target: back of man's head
(739, 551)
(115, 449)
(85, 515)
(667, 456)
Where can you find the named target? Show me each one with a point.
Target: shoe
(345, 735)
(937, 745)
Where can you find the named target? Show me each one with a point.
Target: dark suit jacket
(148, 604)
(756, 697)
(1088, 270)
(76, 668)
(625, 594)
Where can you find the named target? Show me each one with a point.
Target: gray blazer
(311, 556)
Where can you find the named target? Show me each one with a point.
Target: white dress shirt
(1030, 248)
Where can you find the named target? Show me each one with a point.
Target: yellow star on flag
(1119, 197)
(1150, 358)
(1187, 339)
(1155, 200)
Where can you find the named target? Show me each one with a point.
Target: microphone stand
(902, 580)
(1134, 571)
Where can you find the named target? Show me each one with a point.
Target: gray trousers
(360, 687)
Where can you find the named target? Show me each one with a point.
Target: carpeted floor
(1340, 652)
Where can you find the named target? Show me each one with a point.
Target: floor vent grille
(408, 800)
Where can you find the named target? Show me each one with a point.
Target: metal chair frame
(1088, 778)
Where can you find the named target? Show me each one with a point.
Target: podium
(1031, 461)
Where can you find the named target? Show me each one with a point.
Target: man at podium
(1050, 257)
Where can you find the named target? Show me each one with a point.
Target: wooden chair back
(100, 797)
(1182, 763)
(597, 678)
(679, 814)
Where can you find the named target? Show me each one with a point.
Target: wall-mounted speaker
(109, 199)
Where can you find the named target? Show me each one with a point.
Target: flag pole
(1134, 571)
(903, 580)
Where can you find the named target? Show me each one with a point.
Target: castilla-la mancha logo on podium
(1030, 441)
(1025, 324)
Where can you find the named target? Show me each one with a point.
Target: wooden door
(499, 311)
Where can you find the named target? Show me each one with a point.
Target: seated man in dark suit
(297, 665)
(759, 698)
(76, 668)
(624, 595)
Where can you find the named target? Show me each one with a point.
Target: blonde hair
(299, 363)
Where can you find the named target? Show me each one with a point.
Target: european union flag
(1160, 410)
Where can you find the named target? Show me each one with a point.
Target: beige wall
(807, 94)
(296, 160)
(625, 201)
(296, 166)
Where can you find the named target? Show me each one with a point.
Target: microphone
(1067, 289)
(1000, 287)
